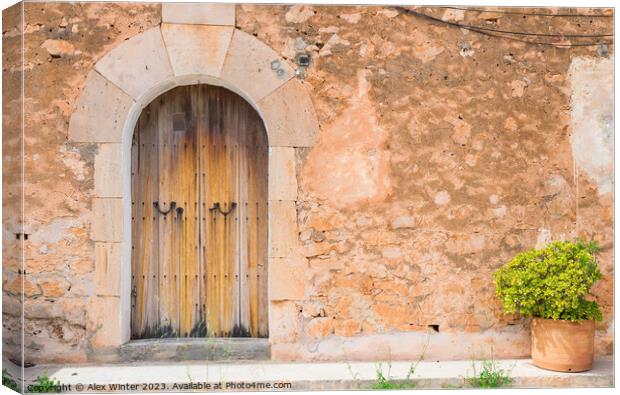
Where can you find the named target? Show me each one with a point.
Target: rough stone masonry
(442, 153)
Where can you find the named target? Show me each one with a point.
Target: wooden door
(199, 217)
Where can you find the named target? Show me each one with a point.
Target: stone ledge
(321, 376)
(207, 349)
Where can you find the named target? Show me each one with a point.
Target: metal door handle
(216, 206)
(171, 207)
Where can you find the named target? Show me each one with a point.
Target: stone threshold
(194, 376)
(196, 349)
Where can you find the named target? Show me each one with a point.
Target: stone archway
(194, 46)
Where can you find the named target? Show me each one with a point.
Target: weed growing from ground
(385, 383)
(8, 381)
(43, 384)
(491, 376)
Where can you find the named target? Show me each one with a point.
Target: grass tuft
(491, 376)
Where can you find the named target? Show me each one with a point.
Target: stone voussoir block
(100, 112)
(289, 115)
(282, 174)
(196, 49)
(138, 64)
(107, 224)
(107, 269)
(283, 232)
(108, 164)
(253, 67)
(198, 13)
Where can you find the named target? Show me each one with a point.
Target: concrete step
(240, 376)
(196, 349)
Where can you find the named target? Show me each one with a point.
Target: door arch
(116, 90)
(199, 216)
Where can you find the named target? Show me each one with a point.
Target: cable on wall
(528, 13)
(502, 33)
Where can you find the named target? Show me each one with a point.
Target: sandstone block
(253, 67)
(284, 322)
(290, 116)
(72, 310)
(198, 13)
(108, 167)
(347, 327)
(299, 13)
(137, 65)
(283, 234)
(282, 174)
(100, 112)
(54, 286)
(107, 222)
(14, 287)
(287, 278)
(196, 49)
(58, 48)
(402, 222)
(105, 315)
(320, 327)
(11, 305)
(107, 269)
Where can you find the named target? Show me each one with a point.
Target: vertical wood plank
(136, 231)
(262, 158)
(164, 200)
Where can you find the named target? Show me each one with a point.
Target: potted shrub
(552, 285)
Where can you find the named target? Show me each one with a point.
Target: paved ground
(304, 376)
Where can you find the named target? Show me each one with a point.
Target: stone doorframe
(196, 43)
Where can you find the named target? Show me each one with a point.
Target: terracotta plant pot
(562, 345)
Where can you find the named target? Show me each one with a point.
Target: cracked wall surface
(441, 154)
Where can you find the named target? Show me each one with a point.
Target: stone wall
(442, 153)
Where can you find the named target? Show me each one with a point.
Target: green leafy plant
(552, 282)
(491, 376)
(385, 383)
(8, 381)
(43, 384)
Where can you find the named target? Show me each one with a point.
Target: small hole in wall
(435, 327)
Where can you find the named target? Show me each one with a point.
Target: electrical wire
(527, 13)
(489, 32)
(560, 45)
(513, 32)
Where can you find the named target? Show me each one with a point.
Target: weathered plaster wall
(441, 154)
(11, 175)
(62, 43)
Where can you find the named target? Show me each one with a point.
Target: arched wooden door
(199, 217)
